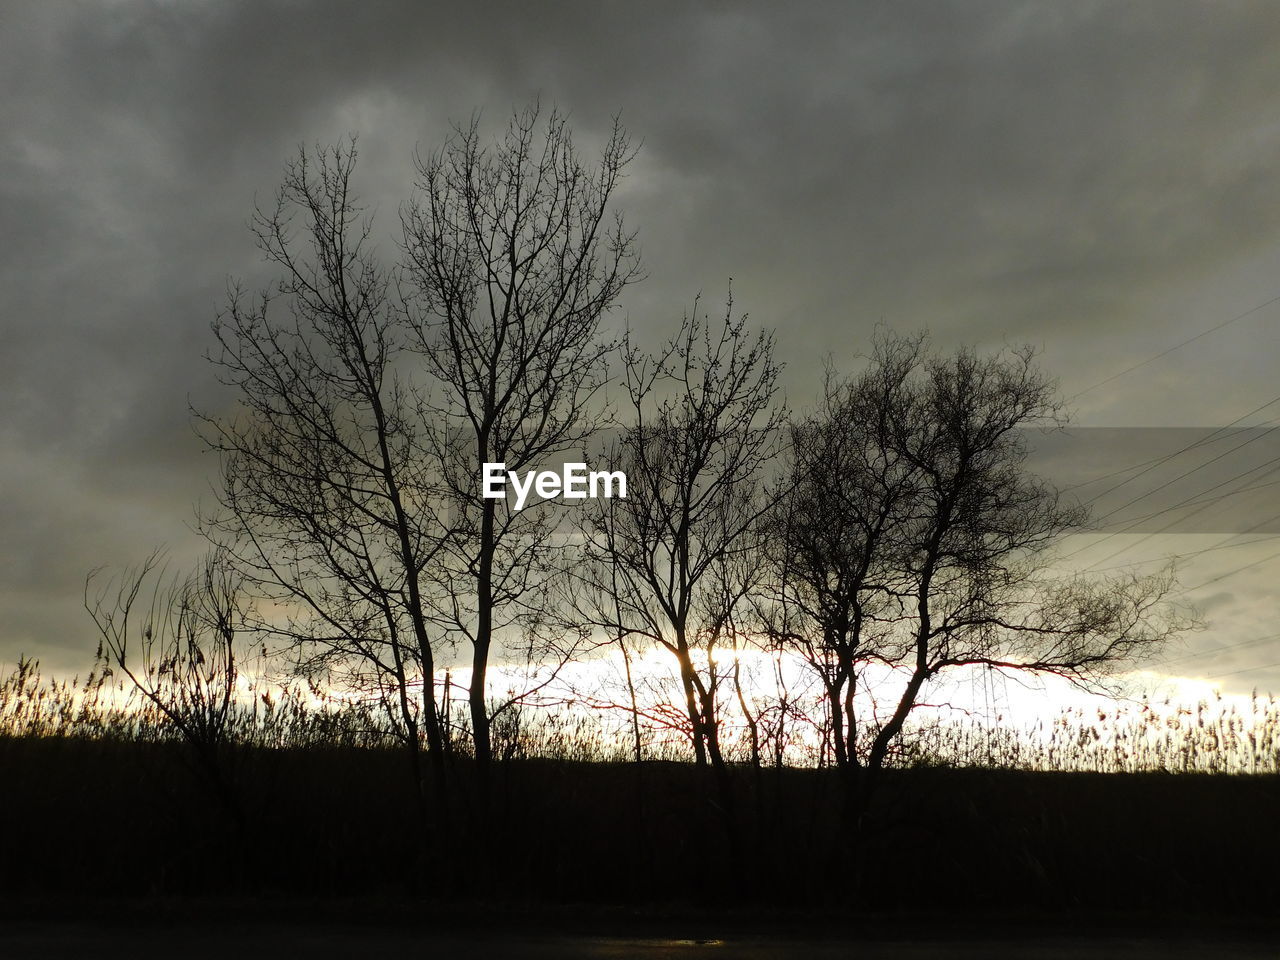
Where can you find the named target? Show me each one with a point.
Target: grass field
(101, 804)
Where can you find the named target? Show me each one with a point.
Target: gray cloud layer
(1095, 178)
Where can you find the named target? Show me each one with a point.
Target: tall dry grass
(1208, 737)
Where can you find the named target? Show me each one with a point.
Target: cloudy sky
(1098, 179)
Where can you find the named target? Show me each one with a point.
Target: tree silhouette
(512, 259)
(914, 539)
(672, 564)
(328, 498)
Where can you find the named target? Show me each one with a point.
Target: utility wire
(1162, 486)
(1217, 434)
(1230, 573)
(1176, 346)
(1195, 503)
(1236, 673)
(1156, 461)
(1205, 505)
(1198, 468)
(1216, 650)
(1191, 554)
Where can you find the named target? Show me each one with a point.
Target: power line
(1181, 476)
(1204, 505)
(1216, 650)
(1195, 503)
(1236, 673)
(1230, 573)
(1219, 433)
(1199, 467)
(1156, 461)
(1177, 346)
(1191, 554)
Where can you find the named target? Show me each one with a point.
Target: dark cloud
(1095, 178)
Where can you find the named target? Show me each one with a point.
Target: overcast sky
(1098, 179)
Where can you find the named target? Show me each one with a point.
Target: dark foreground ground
(128, 850)
(323, 945)
(140, 939)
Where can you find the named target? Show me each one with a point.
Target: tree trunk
(480, 651)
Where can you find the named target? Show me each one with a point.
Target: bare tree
(931, 546)
(672, 563)
(512, 259)
(327, 495)
(830, 542)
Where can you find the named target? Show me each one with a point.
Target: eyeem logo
(573, 483)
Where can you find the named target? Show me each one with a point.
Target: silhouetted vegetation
(368, 687)
(104, 797)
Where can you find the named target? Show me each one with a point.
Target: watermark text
(572, 482)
